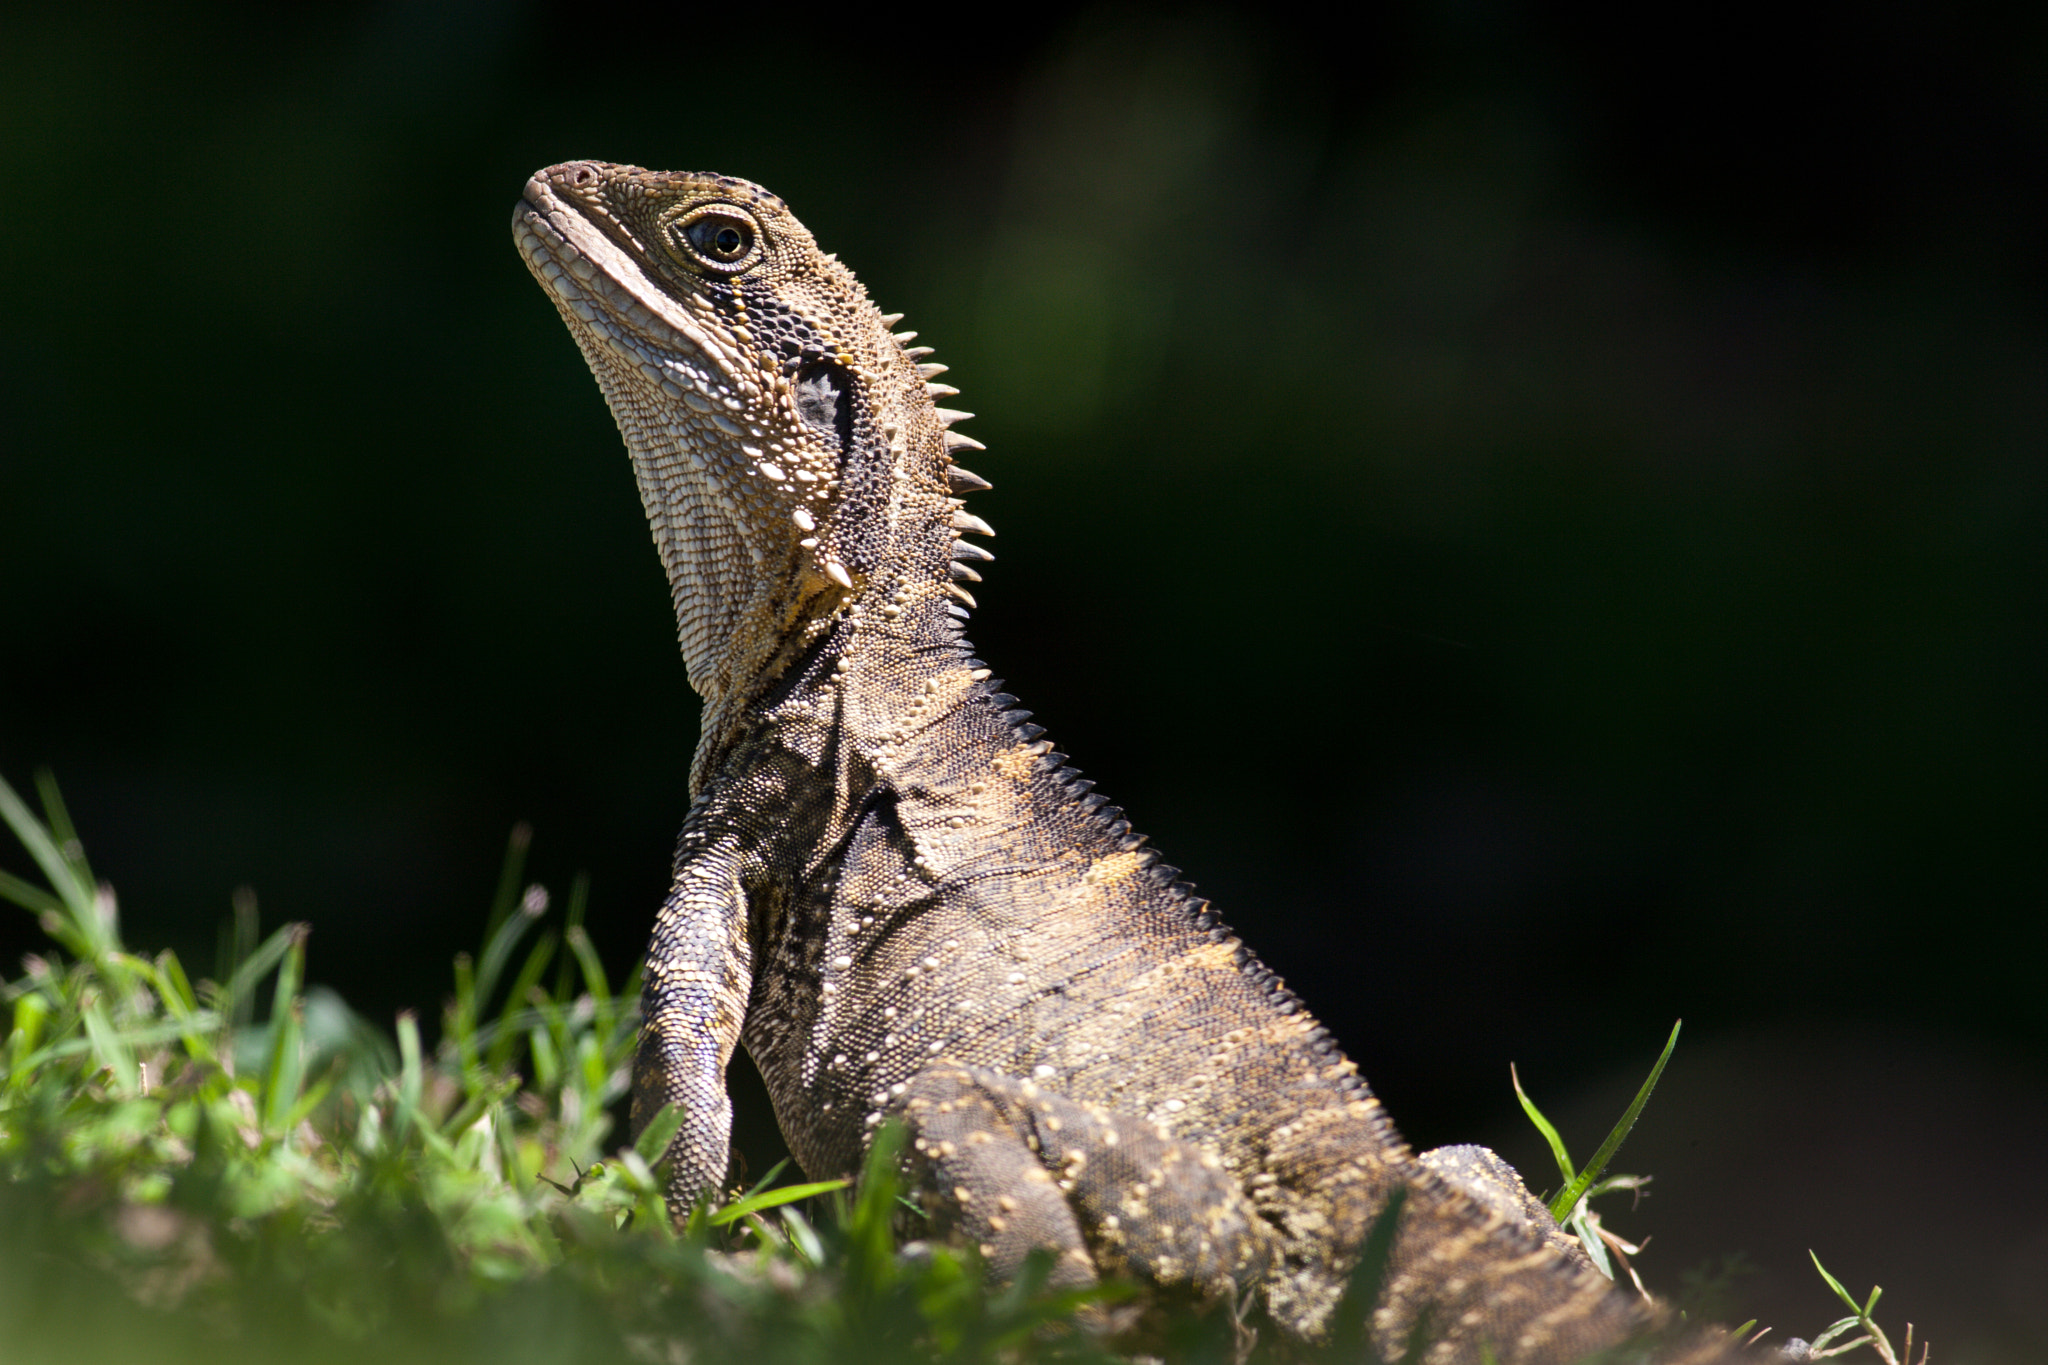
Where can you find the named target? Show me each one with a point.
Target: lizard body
(904, 902)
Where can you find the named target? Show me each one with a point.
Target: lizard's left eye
(716, 236)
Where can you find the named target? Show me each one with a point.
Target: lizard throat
(731, 501)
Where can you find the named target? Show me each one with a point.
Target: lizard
(908, 905)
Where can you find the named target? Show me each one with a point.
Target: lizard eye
(716, 236)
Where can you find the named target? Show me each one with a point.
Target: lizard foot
(1010, 1166)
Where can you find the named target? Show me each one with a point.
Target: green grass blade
(195, 1025)
(62, 831)
(510, 876)
(504, 939)
(1568, 1198)
(28, 895)
(593, 970)
(506, 1031)
(870, 1241)
(607, 1018)
(579, 899)
(1595, 1247)
(237, 998)
(547, 1062)
(284, 1066)
(59, 819)
(769, 1179)
(775, 1198)
(1840, 1328)
(1835, 1284)
(412, 1079)
(172, 985)
(108, 1047)
(1550, 1135)
(459, 1026)
(652, 1144)
(31, 1012)
(306, 1104)
(237, 940)
(572, 918)
(76, 892)
(131, 1039)
(803, 1237)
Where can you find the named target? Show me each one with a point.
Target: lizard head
(785, 441)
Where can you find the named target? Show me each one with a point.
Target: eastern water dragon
(906, 903)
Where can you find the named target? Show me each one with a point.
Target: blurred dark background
(1539, 509)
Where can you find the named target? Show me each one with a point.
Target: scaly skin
(905, 903)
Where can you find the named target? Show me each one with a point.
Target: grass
(242, 1165)
(1572, 1208)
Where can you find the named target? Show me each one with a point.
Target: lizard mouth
(601, 291)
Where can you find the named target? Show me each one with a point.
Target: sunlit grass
(242, 1167)
(198, 1169)
(1572, 1207)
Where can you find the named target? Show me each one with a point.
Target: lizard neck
(885, 663)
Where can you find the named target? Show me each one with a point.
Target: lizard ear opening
(824, 399)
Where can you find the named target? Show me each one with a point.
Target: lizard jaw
(599, 286)
(733, 511)
(796, 473)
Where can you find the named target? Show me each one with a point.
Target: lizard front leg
(700, 968)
